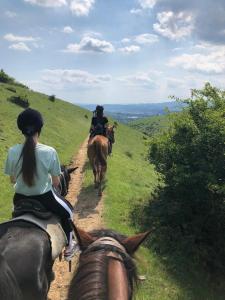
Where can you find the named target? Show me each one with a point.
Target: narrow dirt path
(88, 216)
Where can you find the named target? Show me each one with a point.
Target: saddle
(32, 211)
(33, 207)
(98, 130)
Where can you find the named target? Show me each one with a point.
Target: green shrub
(11, 89)
(20, 100)
(190, 210)
(5, 78)
(51, 98)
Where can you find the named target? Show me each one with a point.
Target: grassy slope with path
(130, 179)
(65, 129)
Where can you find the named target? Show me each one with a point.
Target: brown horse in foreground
(98, 150)
(106, 269)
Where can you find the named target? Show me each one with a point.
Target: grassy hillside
(65, 128)
(151, 125)
(130, 180)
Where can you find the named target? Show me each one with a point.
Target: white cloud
(141, 39)
(174, 26)
(209, 60)
(136, 11)
(10, 14)
(145, 4)
(20, 47)
(130, 49)
(89, 44)
(68, 29)
(48, 3)
(93, 34)
(126, 41)
(146, 38)
(141, 79)
(16, 38)
(81, 7)
(74, 76)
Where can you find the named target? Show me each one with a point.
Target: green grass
(151, 125)
(130, 179)
(65, 129)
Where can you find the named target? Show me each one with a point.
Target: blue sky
(111, 51)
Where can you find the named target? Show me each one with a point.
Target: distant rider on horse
(99, 125)
(99, 122)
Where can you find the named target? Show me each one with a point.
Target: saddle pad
(52, 227)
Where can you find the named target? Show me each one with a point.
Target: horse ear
(70, 170)
(85, 239)
(132, 243)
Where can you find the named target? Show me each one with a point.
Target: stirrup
(70, 253)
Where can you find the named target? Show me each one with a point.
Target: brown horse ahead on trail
(99, 147)
(106, 270)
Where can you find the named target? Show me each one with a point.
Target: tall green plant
(191, 157)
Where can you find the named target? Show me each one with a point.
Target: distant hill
(127, 112)
(151, 125)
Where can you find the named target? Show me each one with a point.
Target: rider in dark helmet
(34, 168)
(99, 122)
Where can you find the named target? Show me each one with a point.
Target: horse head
(110, 133)
(65, 177)
(106, 269)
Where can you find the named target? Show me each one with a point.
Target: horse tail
(9, 288)
(100, 157)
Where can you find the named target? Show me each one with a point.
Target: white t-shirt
(47, 164)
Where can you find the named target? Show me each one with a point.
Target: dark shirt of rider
(95, 121)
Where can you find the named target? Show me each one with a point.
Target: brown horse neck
(118, 287)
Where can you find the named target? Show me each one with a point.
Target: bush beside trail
(188, 210)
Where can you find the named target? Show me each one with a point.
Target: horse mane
(92, 270)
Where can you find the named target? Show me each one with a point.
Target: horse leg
(101, 178)
(100, 189)
(95, 178)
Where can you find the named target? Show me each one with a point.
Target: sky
(114, 51)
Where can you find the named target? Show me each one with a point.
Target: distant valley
(128, 112)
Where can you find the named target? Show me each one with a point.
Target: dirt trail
(88, 216)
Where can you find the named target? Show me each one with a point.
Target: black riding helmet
(99, 108)
(30, 121)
